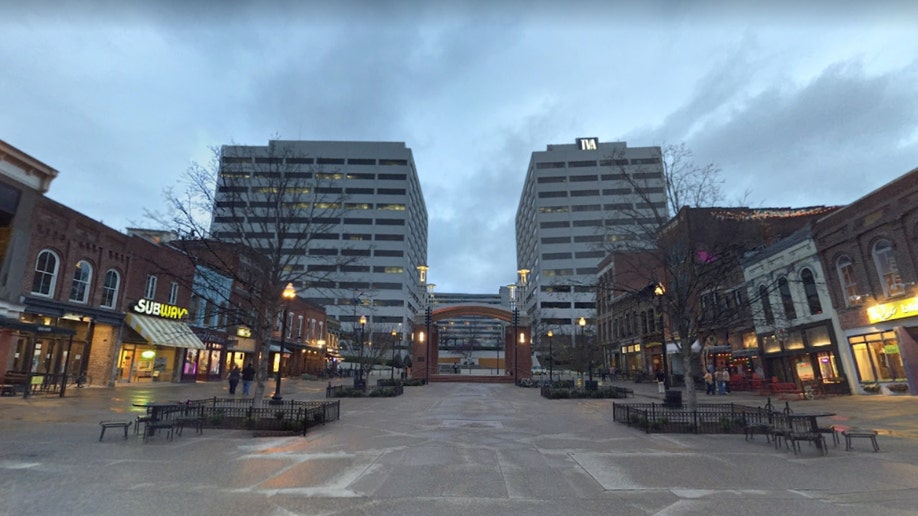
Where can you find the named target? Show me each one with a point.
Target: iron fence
(707, 418)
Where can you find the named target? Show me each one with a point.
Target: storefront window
(828, 369)
(794, 340)
(770, 344)
(750, 341)
(818, 336)
(191, 362)
(877, 357)
(804, 368)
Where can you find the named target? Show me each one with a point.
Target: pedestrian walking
(661, 381)
(248, 375)
(709, 383)
(722, 377)
(234, 375)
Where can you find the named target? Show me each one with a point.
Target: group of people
(247, 375)
(718, 379)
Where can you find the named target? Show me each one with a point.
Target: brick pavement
(441, 449)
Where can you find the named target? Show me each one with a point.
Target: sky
(798, 103)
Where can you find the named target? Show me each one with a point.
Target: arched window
(79, 287)
(845, 269)
(790, 313)
(809, 289)
(767, 312)
(45, 273)
(110, 288)
(887, 268)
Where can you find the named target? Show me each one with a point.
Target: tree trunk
(691, 397)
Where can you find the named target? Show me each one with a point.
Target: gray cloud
(122, 96)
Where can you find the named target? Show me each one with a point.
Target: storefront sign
(150, 307)
(890, 311)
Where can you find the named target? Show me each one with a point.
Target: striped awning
(164, 332)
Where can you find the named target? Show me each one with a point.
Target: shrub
(382, 392)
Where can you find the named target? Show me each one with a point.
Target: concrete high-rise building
(579, 202)
(372, 236)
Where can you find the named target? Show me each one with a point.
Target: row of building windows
(248, 160)
(887, 270)
(557, 194)
(47, 270)
(593, 163)
(379, 269)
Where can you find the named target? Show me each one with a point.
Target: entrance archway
(426, 351)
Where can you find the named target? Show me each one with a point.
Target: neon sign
(150, 307)
(890, 311)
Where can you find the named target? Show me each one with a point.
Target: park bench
(863, 433)
(757, 422)
(115, 424)
(162, 426)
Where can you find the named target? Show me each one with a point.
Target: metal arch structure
(514, 350)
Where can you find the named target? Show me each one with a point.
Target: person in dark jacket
(233, 377)
(248, 376)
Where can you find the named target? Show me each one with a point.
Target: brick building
(869, 250)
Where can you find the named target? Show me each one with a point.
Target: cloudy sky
(798, 106)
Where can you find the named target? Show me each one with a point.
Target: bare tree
(371, 345)
(650, 252)
(276, 209)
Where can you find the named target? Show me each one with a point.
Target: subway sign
(156, 309)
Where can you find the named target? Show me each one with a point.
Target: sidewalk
(889, 415)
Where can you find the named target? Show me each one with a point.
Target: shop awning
(13, 324)
(164, 332)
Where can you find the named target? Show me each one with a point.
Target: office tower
(363, 203)
(579, 202)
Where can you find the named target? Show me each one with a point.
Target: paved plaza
(448, 448)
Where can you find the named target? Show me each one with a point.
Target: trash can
(673, 398)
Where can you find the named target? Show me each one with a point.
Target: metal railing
(707, 418)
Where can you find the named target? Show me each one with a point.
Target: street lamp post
(515, 307)
(392, 365)
(288, 294)
(659, 291)
(362, 323)
(551, 359)
(582, 323)
(428, 301)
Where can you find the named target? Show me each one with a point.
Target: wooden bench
(852, 433)
(7, 389)
(115, 424)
